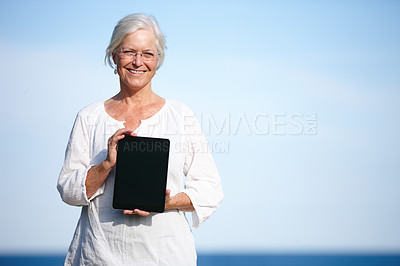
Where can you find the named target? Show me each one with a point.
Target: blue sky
(299, 100)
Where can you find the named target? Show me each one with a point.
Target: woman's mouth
(136, 71)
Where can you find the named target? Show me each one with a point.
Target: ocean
(235, 260)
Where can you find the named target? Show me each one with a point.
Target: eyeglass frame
(133, 54)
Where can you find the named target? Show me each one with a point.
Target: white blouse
(106, 236)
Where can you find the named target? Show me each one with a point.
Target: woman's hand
(111, 159)
(144, 213)
(180, 201)
(137, 211)
(98, 173)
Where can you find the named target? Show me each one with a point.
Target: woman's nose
(137, 61)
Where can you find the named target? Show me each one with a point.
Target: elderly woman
(107, 236)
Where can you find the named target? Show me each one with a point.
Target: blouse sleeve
(71, 182)
(202, 183)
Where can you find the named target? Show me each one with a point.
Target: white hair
(131, 24)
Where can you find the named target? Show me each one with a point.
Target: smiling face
(134, 72)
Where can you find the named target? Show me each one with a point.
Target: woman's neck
(139, 97)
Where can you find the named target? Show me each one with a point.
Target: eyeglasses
(130, 55)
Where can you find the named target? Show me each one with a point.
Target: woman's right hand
(111, 159)
(98, 173)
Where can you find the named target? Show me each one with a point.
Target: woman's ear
(115, 58)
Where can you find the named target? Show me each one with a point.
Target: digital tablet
(141, 174)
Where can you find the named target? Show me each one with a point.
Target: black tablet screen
(141, 174)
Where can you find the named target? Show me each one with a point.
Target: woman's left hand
(137, 211)
(144, 213)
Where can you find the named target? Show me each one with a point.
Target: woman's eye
(128, 52)
(148, 54)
